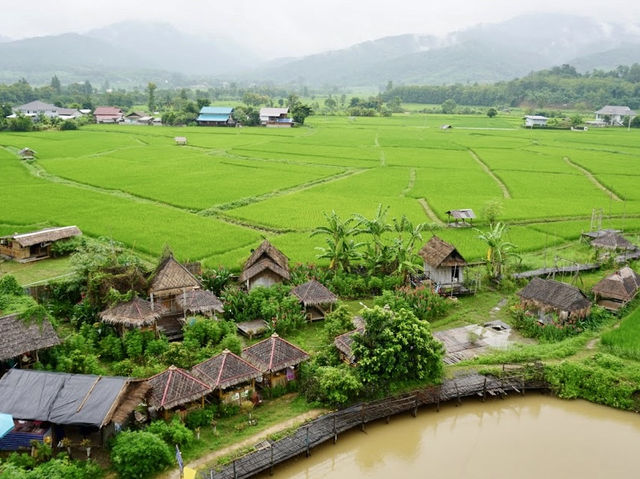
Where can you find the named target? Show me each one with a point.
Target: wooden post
(308, 451)
(484, 389)
(362, 418)
(271, 465)
(438, 403)
(414, 412)
(335, 433)
(458, 402)
(523, 385)
(235, 473)
(388, 418)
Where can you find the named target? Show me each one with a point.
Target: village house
(21, 340)
(344, 344)
(316, 299)
(461, 218)
(36, 245)
(56, 405)
(216, 116)
(443, 265)
(138, 118)
(176, 388)
(615, 115)
(36, 108)
(617, 289)
(231, 376)
(265, 267)
(276, 358)
(548, 297)
(275, 118)
(532, 121)
(254, 328)
(108, 114)
(134, 314)
(200, 301)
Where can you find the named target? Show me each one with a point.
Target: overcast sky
(293, 27)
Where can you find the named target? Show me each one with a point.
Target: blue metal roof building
(215, 116)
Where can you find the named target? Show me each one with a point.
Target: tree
(202, 102)
(341, 249)
(55, 84)
(576, 120)
(139, 454)
(151, 96)
(449, 106)
(300, 112)
(492, 112)
(492, 209)
(499, 250)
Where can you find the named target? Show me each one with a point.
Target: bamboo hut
(36, 244)
(461, 218)
(614, 242)
(265, 267)
(136, 313)
(344, 344)
(316, 299)
(443, 264)
(617, 289)
(200, 301)
(22, 341)
(276, 358)
(257, 327)
(175, 387)
(547, 297)
(27, 153)
(180, 140)
(230, 375)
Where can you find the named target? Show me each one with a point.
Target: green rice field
(216, 198)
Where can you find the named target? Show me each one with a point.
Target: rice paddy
(216, 198)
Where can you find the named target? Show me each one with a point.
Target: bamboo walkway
(577, 268)
(327, 427)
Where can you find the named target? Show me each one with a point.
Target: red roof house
(108, 114)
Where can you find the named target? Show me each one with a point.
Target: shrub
(232, 342)
(173, 432)
(199, 418)
(68, 125)
(139, 454)
(63, 248)
(423, 302)
(332, 385)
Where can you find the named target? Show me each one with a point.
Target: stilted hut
(316, 299)
(613, 242)
(461, 218)
(617, 289)
(36, 245)
(180, 140)
(548, 297)
(443, 265)
(200, 301)
(136, 313)
(265, 267)
(231, 376)
(276, 358)
(257, 327)
(27, 154)
(20, 341)
(174, 388)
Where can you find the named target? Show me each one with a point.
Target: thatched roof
(274, 354)
(622, 285)
(265, 256)
(344, 343)
(613, 241)
(200, 301)
(47, 235)
(171, 277)
(252, 328)
(437, 253)
(556, 294)
(135, 313)
(313, 292)
(225, 370)
(135, 394)
(18, 337)
(175, 387)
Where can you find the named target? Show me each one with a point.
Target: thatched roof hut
(547, 295)
(266, 266)
(344, 342)
(27, 153)
(36, 244)
(225, 370)
(18, 337)
(172, 278)
(443, 264)
(175, 387)
(253, 328)
(274, 354)
(617, 289)
(136, 313)
(315, 297)
(613, 241)
(200, 301)
(461, 218)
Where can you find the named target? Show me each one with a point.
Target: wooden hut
(547, 297)
(343, 344)
(316, 299)
(27, 154)
(137, 313)
(443, 264)
(257, 327)
(617, 289)
(200, 301)
(230, 375)
(180, 140)
(461, 218)
(21, 341)
(36, 245)
(265, 267)
(276, 358)
(174, 388)
(613, 242)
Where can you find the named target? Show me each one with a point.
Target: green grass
(624, 341)
(28, 273)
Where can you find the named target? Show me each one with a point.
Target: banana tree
(499, 251)
(341, 248)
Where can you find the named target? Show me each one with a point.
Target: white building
(35, 108)
(535, 120)
(615, 115)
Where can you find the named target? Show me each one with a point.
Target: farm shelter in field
(461, 218)
(73, 405)
(617, 289)
(276, 358)
(174, 388)
(36, 245)
(442, 263)
(199, 301)
(548, 297)
(27, 154)
(316, 299)
(275, 117)
(36, 108)
(614, 242)
(180, 140)
(21, 340)
(531, 121)
(108, 114)
(615, 115)
(137, 313)
(231, 376)
(216, 116)
(266, 266)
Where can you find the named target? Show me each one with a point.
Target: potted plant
(66, 443)
(86, 443)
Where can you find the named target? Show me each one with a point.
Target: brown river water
(535, 436)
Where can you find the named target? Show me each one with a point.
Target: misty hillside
(627, 54)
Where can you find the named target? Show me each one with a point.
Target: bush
(173, 432)
(423, 302)
(232, 342)
(64, 248)
(199, 418)
(331, 385)
(68, 125)
(139, 454)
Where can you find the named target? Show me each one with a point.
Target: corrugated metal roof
(462, 214)
(207, 117)
(216, 110)
(273, 111)
(616, 110)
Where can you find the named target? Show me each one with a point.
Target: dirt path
(256, 438)
(411, 183)
(429, 212)
(488, 171)
(383, 158)
(592, 178)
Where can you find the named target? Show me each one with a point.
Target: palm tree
(377, 254)
(341, 248)
(404, 246)
(499, 250)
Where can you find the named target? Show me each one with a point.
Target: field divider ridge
(429, 212)
(591, 177)
(505, 190)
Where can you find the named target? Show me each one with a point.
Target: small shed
(27, 154)
(137, 313)
(443, 264)
(547, 296)
(614, 242)
(230, 375)
(266, 266)
(215, 116)
(200, 301)
(532, 121)
(617, 289)
(19, 338)
(180, 140)
(174, 388)
(276, 358)
(316, 299)
(36, 245)
(257, 327)
(275, 117)
(461, 218)
(343, 344)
